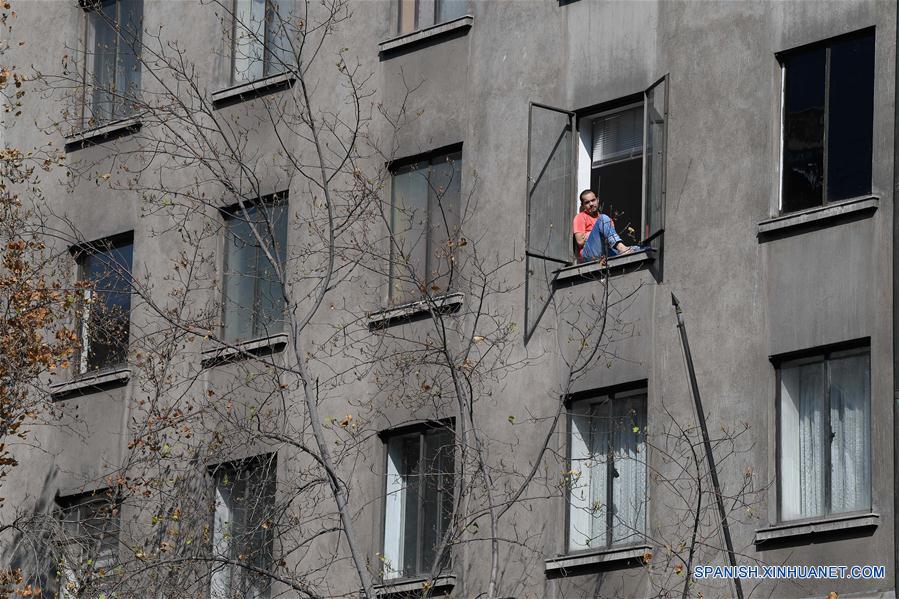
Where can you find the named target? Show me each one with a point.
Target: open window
(619, 152)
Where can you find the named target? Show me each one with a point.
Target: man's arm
(580, 239)
(580, 232)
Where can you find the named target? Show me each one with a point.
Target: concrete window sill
(221, 354)
(410, 587)
(103, 132)
(817, 216)
(90, 383)
(833, 524)
(595, 560)
(432, 33)
(592, 270)
(252, 89)
(414, 310)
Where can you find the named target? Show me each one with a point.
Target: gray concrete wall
(745, 298)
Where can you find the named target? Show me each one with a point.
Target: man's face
(590, 204)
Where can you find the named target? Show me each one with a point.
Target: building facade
(500, 419)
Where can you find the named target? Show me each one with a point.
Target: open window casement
(655, 131)
(549, 186)
(620, 153)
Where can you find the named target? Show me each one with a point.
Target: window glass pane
(244, 502)
(408, 16)
(628, 470)
(249, 40)
(850, 118)
(803, 167)
(89, 544)
(850, 423)
(394, 509)
(278, 55)
(445, 184)
(409, 226)
(601, 439)
(804, 441)
(580, 493)
(437, 494)
(240, 277)
(127, 63)
(272, 222)
(448, 10)
(654, 161)
(410, 448)
(109, 308)
(102, 46)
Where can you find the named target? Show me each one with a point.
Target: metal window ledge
(823, 525)
(593, 270)
(91, 383)
(406, 312)
(561, 565)
(247, 349)
(412, 586)
(439, 30)
(817, 216)
(102, 132)
(252, 89)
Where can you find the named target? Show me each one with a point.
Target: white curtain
(825, 425)
(850, 421)
(629, 476)
(812, 438)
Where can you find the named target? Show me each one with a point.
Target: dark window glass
(850, 118)
(804, 131)
(105, 322)
(253, 293)
(828, 122)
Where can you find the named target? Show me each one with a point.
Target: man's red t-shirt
(583, 223)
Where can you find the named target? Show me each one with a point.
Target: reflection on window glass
(113, 47)
(425, 219)
(106, 266)
(253, 293)
(261, 38)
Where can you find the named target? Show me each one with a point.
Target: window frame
(821, 355)
(452, 153)
(111, 244)
(782, 57)
(588, 400)
(267, 37)
(245, 212)
(89, 77)
(266, 467)
(392, 572)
